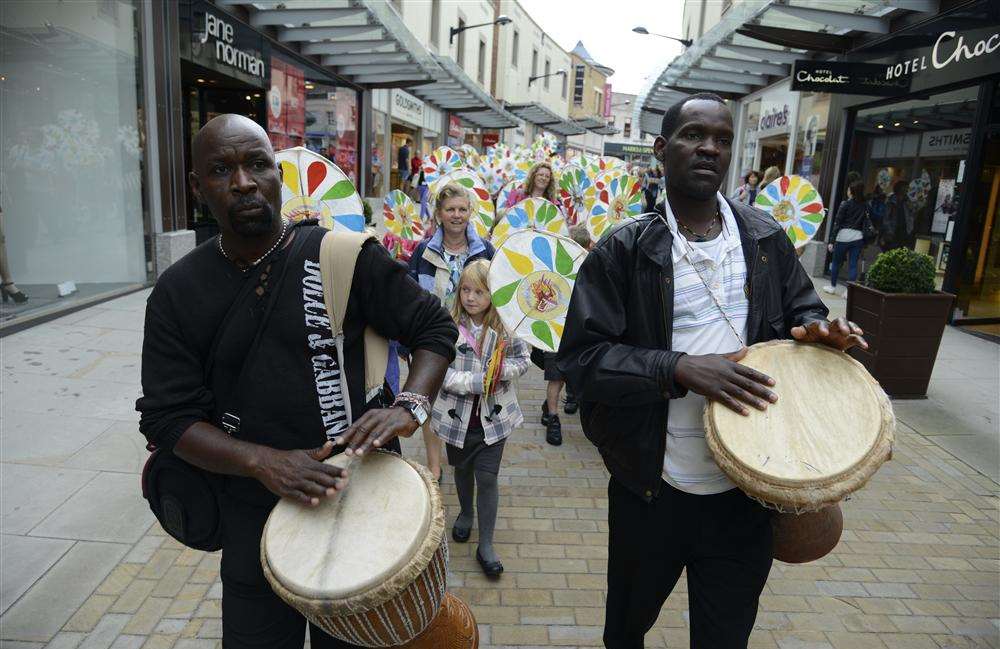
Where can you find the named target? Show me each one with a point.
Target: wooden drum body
(830, 430)
(369, 565)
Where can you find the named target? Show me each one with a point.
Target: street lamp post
(686, 42)
(454, 31)
(542, 76)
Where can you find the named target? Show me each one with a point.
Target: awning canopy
(542, 116)
(364, 41)
(454, 91)
(590, 123)
(756, 42)
(607, 129)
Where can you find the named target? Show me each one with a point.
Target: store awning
(364, 41)
(756, 42)
(607, 129)
(590, 123)
(542, 116)
(454, 91)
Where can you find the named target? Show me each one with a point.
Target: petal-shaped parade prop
(314, 187)
(483, 211)
(470, 156)
(531, 213)
(795, 204)
(573, 184)
(441, 162)
(402, 217)
(503, 196)
(491, 175)
(918, 190)
(616, 197)
(602, 164)
(531, 279)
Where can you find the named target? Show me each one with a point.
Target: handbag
(184, 498)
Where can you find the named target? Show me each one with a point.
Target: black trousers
(723, 540)
(253, 616)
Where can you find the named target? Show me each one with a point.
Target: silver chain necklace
(284, 231)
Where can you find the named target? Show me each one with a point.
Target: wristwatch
(415, 409)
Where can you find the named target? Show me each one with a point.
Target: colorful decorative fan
(531, 213)
(483, 211)
(601, 164)
(616, 197)
(440, 162)
(506, 163)
(314, 187)
(402, 217)
(531, 278)
(470, 156)
(884, 180)
(503, 196)
(573, 183)
(795, 205)
(490, 175)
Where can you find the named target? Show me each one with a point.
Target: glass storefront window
(751, 120)
(814, 109)
(72, 136)
(913, 153)
(332, 126)
(378, 166)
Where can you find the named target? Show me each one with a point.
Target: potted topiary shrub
(903, 317)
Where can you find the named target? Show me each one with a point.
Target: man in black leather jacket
(620, 355)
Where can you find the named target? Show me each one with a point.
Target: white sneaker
(830, 289)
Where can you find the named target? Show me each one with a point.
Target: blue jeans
(853, 251)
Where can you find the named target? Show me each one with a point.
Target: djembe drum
(369, 565)
(830, 430)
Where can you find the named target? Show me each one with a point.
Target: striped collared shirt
(700, 328)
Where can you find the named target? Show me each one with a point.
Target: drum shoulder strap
(338, 256)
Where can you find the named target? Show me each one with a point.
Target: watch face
(418, 412)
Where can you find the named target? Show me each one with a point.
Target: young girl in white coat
(477, 408)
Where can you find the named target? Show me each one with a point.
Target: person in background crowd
(581, 235)
(747, 192)
(416, 177)
(848, 235)
(437, 265)
(475, 426)
(403, 162)
(8, 287)
(540, 183)
(770, 174)
(897, 230)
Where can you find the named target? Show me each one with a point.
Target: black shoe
(491, 569)
(18, 296)
(553, 432)
(460, 535)
(546, 415)
(570, 406)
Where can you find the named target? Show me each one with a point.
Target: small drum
(367, 566)
(830, 430)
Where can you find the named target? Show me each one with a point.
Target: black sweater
(285, 398)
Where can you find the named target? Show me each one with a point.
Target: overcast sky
(606, 31)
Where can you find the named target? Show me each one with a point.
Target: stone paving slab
(918, 566)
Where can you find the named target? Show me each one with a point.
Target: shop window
(332, 126)
(579, 75)
(72, 140)
(814, 108)
(481, 66)
(515, 46)
(436, 22)
(627, 129)
(548, 68)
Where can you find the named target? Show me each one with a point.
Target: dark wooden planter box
(903, 331)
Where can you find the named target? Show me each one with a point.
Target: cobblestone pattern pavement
(917, 567)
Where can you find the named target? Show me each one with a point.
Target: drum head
(832, 422)
(356, 540)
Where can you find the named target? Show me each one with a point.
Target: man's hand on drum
(840, 334)
(300, 474)
(376, 428)
(720, 377)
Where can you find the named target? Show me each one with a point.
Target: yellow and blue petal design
(402, 217)
(795, 204)
(531, 213)
(615, 197)
(312, 187)
(441, 162)
(531, 280)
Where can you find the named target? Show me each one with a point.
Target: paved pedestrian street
(84, 567)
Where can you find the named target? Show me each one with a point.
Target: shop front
(228, 66)
(934, 146)
(75, 223)
(767, 119)
(637, 155)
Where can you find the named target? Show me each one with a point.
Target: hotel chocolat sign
(950, 57)
(222, 43)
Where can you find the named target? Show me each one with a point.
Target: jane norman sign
(225, 45)
(950, 57)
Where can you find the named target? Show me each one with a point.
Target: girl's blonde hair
(529, 184)
(477, 275)
(451, 190)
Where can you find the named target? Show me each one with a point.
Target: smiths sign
(840, 77)
(223, 44)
